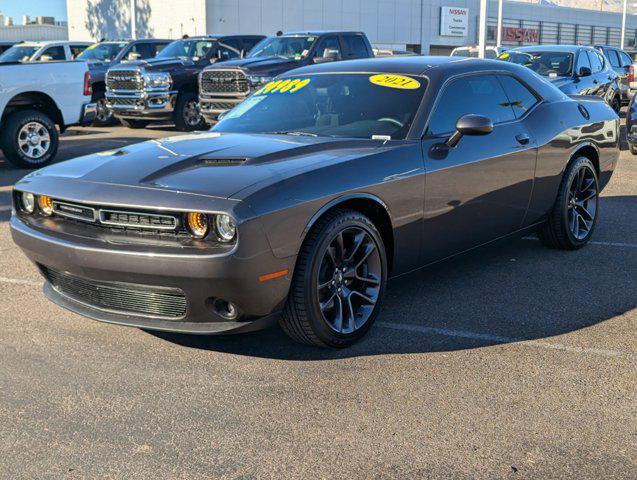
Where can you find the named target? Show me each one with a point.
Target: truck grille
(123, 101)
(125, 298)
(217, 105)
(124, 80)
(224, 82)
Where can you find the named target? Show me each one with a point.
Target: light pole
(482, 30)
(499, 31)
(133, 21)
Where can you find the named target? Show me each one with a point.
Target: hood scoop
(209, 160)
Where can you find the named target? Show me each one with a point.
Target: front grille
(123, 101)
(224, 82)
(139, 220)
(217, 105)
(125, 298)
(124, 80)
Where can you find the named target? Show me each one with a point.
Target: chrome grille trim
(219, 82)
(161, 226)
(64, 209)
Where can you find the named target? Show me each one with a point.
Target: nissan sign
(454, 21)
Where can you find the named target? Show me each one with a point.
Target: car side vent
(221, 161)
(584, 112)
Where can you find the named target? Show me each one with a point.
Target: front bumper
(202, 277)
(145, 104)
(89, 111)
(211, 107)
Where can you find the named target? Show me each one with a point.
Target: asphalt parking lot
(513, 361)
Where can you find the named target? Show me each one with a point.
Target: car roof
(551, 48)
(321, 32)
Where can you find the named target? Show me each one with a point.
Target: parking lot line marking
(498, 339)
(603, 244)
(18, 281)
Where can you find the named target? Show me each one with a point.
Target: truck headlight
(258, 80)
(158, 79)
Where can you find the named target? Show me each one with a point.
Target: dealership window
(478, 94)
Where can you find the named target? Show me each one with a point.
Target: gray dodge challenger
(306, 198)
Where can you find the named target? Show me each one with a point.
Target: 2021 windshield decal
(395, 81)
(289, 85)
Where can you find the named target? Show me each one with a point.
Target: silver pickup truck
(35, 98)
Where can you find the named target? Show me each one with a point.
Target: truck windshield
(352, 105)
(548, 64)
(191, 49)
(288, 47)
(103, 52)
(18, 53)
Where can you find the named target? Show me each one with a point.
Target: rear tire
(338, 283)
(134, 124)
(187, 115)
(572, 220)
(29, 139)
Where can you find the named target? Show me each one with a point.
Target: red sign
(526, 35)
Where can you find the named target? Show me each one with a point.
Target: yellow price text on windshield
(394, 81)
(504, 55)
(289, 85)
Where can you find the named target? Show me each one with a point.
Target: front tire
(29, 139)
(338, 283)
(616, 104)
(633, 149)
(572, 220)
(187, 115)
(134, 124)
(103, 117)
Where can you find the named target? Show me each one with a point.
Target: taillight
(631, 73)
(88, 88)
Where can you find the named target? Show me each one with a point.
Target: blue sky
(33, 8)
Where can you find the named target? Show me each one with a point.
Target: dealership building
(426, 26)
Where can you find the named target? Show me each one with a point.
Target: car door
(480, 189)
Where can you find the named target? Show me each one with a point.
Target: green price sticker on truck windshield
(289, 85)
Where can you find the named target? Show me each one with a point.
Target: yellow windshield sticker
(289, 85)
(394, 81)
(93, 46)
(504, 55)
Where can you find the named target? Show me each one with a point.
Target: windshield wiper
(299, 134)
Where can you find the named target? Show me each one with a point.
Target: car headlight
(258, 80)
(197, 224)
(158, 79)
(27, 202)
(46, 205)
(226, 227)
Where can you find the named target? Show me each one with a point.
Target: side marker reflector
(270, 276)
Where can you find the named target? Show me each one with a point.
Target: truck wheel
(136, 124)
(187, 116)
(338, 282)
(633, 149)
(103, 117)
(571, 222)
(29, 139)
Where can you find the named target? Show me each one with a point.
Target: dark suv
(165, 88)
(620, 62)
(222, 87)
(101, 56)
(574, 69)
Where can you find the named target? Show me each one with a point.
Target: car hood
(262, 65)
(207, 163)
(158, 64)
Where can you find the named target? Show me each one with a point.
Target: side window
(229, 49)
(612, 57)
(521, 98)
(329, 46)
(478, 94)
(144, 50)
(625, 59)
(355, 46)
(249, 43)
(596, 62)
(158, 47)
(582, 61)
(76, 50)
(56, 53)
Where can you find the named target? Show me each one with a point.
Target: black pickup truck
(165, 88)
(221, 87)
(103, 55)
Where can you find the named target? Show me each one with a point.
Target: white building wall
(33, 33)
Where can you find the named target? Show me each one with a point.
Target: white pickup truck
(34, 98)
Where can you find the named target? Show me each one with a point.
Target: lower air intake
(128, 299)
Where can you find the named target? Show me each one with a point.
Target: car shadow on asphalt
(510, 291)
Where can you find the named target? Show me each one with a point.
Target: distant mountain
(603, 5)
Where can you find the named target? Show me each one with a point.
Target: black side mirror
(584, 72)
(470, 125)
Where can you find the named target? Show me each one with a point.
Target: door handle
(523, 138)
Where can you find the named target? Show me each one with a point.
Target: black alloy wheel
(103, 116)
(338, 282)
(574, 215)
(187, 115)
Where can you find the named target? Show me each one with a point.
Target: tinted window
(328, 46)
(612, 57)
(195, 49)
(548, 64)
(249, 43)
(625, 59)
(229, 50)
(582, 61)
(295, 47)
(104, 52)
(143, 50)
(76, 50)
(520, 97)
(56, 53)
(596, 62)
(356, 47)
(335, 105)
(480, 94)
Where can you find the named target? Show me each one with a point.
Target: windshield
(332, 105)
(103, 52)
(192, 49)
(19, 53)
(548, 64)
(287, 47)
